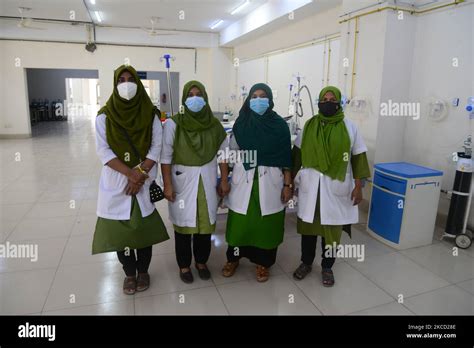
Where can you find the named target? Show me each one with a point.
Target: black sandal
(203, 272)
(186, 277)
(302, 271)
(328, 277)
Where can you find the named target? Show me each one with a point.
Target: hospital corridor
(237, 158)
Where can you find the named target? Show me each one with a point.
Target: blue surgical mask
(259, 105)
(195, 104)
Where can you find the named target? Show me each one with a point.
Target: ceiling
(199, 15)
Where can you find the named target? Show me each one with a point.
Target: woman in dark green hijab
(330, 188)
(128, 138)
(260, 187)
(192, 141)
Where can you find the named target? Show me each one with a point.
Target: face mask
(259, 105)
(127, 90)
(195, 104)
(328, 108)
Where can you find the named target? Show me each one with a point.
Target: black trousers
(201, 247)
(131, 263)
(262, 257)
(308, 251)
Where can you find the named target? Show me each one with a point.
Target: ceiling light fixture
(216, 24)
(240, 7)
(92, 2)
(98, 16)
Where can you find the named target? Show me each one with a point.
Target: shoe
(186, 277)
(328, 277)
(302, 271)
(143, 281)
(129, 285)
(263, 273)
(229, 269)
(204, 273)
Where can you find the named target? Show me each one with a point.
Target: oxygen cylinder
(460, 195)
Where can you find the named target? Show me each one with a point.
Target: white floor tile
(48, 253)
(351, 292)
(468, 285)
(203, 301)
(14, 212)
(24, 292)
(397, 274)
(36, 228)
(84, 224)
(54, 209)
(79, 251)
(450, 300)
(278, 296)
(109, 308)
(393, 308)
(86, 284)
(441, 261)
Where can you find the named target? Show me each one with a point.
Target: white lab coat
(112, 202)
(185, 180)
(335, 196)
(270, 181)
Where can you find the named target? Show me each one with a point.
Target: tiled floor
(48, 198)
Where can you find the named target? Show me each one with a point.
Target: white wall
(441, 36)
(14, 117)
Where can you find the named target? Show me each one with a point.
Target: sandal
(328, 277)
(203, 272)
(229, 269)
(129, 285)
(186, 277)
(263, 274)
(302, 271)
(143, 281)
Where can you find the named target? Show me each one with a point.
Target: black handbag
(156, 193)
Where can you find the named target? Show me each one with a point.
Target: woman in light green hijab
(192, 140)
(330, 188)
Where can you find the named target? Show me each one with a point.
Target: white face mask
(127, 90)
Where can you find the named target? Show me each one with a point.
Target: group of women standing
(327, 165)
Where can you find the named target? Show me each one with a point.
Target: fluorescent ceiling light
(240, 7)
(92, 2)
(98, 16)
(216, 24)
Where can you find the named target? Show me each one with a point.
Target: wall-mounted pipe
(354, 56)
(329, 62)
(412, 11)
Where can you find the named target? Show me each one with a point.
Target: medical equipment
(167, 58)
(295, 107)
(456, 225)
(404, 204)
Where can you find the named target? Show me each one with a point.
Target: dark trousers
(201, 247)
(131, 263)
(308, 251)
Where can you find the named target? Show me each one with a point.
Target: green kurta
(137, 233)
(331, 233)
(203, 223)
(253, 229)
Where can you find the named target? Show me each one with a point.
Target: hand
(136, 177)
(168, 192)
(223, 189)
(132, 189)
(356, 195)
(286, 194)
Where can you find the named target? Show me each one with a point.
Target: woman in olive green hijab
(128, 138)
(191, 142)
(330, 159)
